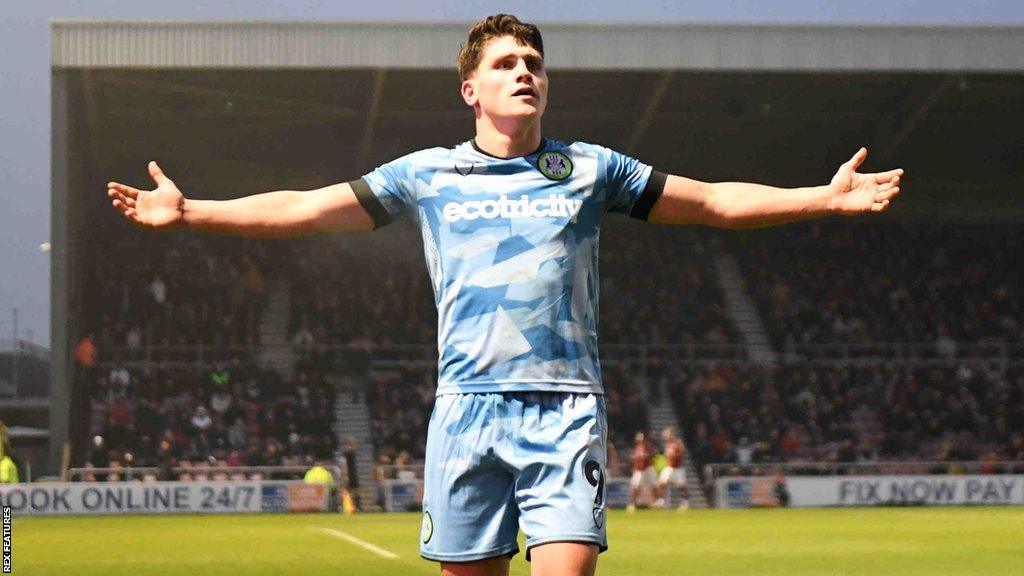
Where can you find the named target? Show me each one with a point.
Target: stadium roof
(228, 132)
(298, 103)
(94, 44)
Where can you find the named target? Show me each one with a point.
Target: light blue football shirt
(511, 247)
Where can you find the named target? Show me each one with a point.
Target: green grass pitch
(905, 542)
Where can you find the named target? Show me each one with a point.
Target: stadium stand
(184, 291)
(828, 412)
(943, 382)
(337, 299)
(400, 401)
(946, 286)
(223, 414)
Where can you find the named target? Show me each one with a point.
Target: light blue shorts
(499, 462)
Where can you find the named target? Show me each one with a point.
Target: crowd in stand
(656, 288)
(400, 401)
(948, 286)
(740, 413)
(627, 408)
(365, 304)
(828, 412)
(945, 286)
(228, 414)
(344, 298)
(176, 290)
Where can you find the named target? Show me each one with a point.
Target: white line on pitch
(361, 543)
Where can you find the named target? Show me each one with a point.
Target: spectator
(791, 443)
(220, 401)
(234, 459)
(99, 457)
(119, 380)
(201, 420)
(165, 461)
(85, 352)
(133, 340)
(945, 345)
(744, 452)
(158, 289)
(220, 376)
(304, 337)
(781, 491)
(237, 434)
(8, 468)
(721, 444)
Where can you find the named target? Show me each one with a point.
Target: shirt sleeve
(632, 187)
(388, 192)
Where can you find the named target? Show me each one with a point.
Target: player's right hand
(162, 207)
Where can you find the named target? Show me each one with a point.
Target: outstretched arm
(281, 214)
(742, 205)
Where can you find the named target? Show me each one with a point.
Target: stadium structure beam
(916, 118)
(105, 44)
(60, 283)
(366, 142)
(645, 119)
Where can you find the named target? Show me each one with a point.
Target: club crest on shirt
(464, 170)
(427, 531)
(554, 165)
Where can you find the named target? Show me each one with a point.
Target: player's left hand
(856, 193)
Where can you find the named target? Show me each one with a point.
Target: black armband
(655, 186)
(368, 200)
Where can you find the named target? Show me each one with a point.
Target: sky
(25, 82)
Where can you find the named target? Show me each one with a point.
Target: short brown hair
(494, 27)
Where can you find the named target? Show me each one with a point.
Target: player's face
(510, 81)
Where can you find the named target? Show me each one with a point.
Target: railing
(714, 471)
(415, 472)
(689, 353)
(389, 355)
(159, 355)
(695, 354)
(890, 468)
(144, 473)
(917, 352)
